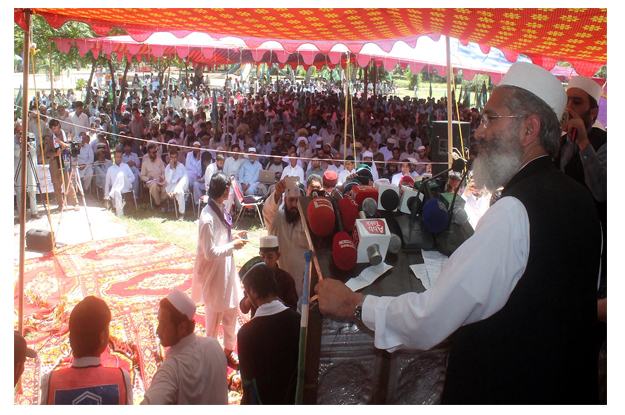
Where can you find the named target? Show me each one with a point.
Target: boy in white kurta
(215, 280)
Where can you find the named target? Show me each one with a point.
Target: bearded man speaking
(285, 223)
(518, 298)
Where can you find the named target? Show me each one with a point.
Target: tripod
(33, 171)
(75, 182)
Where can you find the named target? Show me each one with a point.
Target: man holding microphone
(215, 280)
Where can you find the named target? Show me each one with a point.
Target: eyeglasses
(486, 119)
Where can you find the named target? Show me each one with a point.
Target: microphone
(459, 216)
(370, 206)
(372, 237)
(389, 196)
(344, 252)
(321, 216)
(348, 209)
(435, 216)
(457, 165)
(364, 191)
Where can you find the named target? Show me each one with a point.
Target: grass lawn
(164, 227)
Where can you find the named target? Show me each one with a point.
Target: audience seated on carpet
(270, 254)
(269, 343)
(87, 382)
(20, 353)
(195, 369)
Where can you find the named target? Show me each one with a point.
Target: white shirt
(86, 155)
(476, 208)
(296, 171)
(83, 362)
(215, 280)
(232, 166)
(343, 175)
(82, 123)
(193, 373)
(477, 279)
(193, 165)
(111, 174)
(208, 174)
(270, 309)
(173, 176)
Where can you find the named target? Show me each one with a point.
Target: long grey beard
(495, 168)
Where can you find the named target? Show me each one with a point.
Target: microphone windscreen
(349, 213)
(460, 216)
(344, 251)
(363, 192)
(321, 216)
(458, 165)
(369, 206)
(395, 244)
(435, 216)
(389, 199)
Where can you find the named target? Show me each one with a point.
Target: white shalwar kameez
(118, 180)
(215, 279)
(177, 184)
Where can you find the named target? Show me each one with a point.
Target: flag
(18, 102)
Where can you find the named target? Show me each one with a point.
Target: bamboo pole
(26, 60)
(450, 138)
(52, 109)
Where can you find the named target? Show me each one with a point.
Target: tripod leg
(76, 178)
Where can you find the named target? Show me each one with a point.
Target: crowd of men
(524, 327)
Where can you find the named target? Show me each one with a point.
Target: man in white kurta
(293, 169)
(194, 371)
(119, 180)
(177, 181)
(85, 162)
(134, 162)
(288, 227)
(215, 279)
(193, 164)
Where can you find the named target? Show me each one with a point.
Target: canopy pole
(22, 201)
(52, 108)
(450, 138)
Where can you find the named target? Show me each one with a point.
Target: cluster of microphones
(416, 218)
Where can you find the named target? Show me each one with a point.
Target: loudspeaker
(439, 142)
(39, 240)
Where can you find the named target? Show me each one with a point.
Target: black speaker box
(439, 142)
(39, 240)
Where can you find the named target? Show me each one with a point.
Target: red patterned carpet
(132, 274)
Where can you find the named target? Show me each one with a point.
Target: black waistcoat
(539, 348)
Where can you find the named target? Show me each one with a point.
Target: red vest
(92, 385)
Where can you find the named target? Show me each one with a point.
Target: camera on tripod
(30, 137)
(74, 147)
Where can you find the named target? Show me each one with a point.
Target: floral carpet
(132, 274)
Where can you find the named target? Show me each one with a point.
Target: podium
(342, 366)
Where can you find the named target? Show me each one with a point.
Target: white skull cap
(538, 81)
(587, 85)
(182, 303)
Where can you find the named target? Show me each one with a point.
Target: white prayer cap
(587, 85)
(197, 144)
(413, 160)
(421, 148)
(538, 81)
(220, 148)
(299, 140)
(172, 141)
(367, 154)
(182, 303)
(269, 241)
(252, 150)
(390, 141)
(313, 126)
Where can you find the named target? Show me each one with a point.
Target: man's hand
(279, 190)
(336, 299)
(131, 163)
(576, 124)
(238, 243)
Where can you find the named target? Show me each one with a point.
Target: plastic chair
(248, 202)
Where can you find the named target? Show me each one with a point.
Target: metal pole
(450, 138)
(20, 324)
